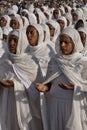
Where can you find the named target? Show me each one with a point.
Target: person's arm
(43, 88)
(6, 83)
(66, 87)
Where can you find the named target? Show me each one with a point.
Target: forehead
(31, 28)
(61, 21)
(65, 37)
(82, 33)
(14, 21)
(2, 18)
(50, 25)
(13, 36)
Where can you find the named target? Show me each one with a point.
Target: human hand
(42, 88)
(66, 87)
(7, 83)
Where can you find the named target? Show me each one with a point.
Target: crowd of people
(43, 66)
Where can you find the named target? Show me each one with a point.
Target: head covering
(6, 31)
(84, 12)
(74, 35)
(40, 51)
(62, 18)
(47, 32)
(71, 66)
(57, 29)
(15, 8)
(83, 29)
(62, 8)
(42, 17)
(10, 12)
(69, 17)
(7, 19)
(19, 20)
(31, 16)
(25, 23)
(1, 33)
(25, 74)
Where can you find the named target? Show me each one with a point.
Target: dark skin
(7, 83)
(67, 47)
(12, 45)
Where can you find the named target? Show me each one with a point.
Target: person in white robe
(19, 100)
(66, 101)
(83, 34)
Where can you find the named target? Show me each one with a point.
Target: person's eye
(16, 40)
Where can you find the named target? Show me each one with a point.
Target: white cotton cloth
(57, 29)
(69, 17)
(1, 36)
(15, 8)
(10, 12)
(41, 52)
(22, 75)
(62, 18)
(31, 16)
(83, 29)
(84, 12)
(71, 66)
(25, 23)
(6, 31)
(42, 17)
(18, 19)
(48, 42)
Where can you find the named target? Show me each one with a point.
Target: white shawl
(71, 66)
(23, 74)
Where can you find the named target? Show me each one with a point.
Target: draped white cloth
(84, 30)
(71, 66)
(23, 71)
(57, 29)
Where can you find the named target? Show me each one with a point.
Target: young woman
(83, 34)
(65, 102)
(19, 106)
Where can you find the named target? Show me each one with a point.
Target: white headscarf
(71, 66)
(84, 12)
(25, 75)
(62, 18)
(41, 52)
(15, 8)
(83, 29)
(7, 19)
(57, 29)
(6, 31)
(19, 20)
(10, 12)
(26, 22)
(48, 42)
(31, 16)
(1, 33)
(69, 17)
(42, 17)
(62, 8)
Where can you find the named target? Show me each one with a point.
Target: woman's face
(83, 38)
(3, 22)
(56, 14)
(75, 17)
(14, 24)
(5, 37)
(52, 29)
(12, 44)
(62, 24)
(66, 45)
(32, 35)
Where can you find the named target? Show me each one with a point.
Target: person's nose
(63, 44)
(12, 43)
